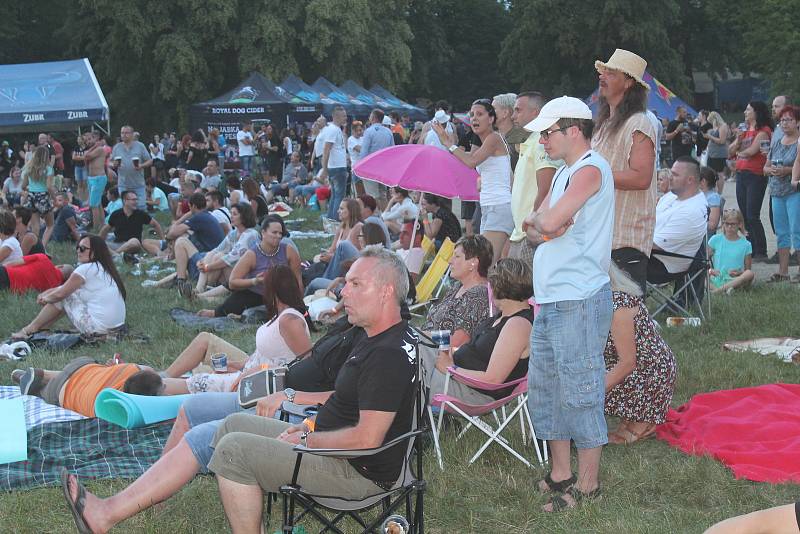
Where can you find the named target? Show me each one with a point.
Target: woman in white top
(354, 142)
(284, 337)
(493, 163)
(93, 297)
(399, 209)
(12, 187)
(10, 250)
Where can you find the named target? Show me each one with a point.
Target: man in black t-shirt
(372, 403)
(128, 224)
(679, 134)
(65, 227)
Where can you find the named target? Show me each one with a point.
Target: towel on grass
(37, 411)
(90, 448)
(754, 431)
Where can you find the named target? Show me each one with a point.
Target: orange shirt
(87, 382)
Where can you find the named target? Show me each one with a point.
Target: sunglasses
(547, 133)
(482, 102)
(81, 248)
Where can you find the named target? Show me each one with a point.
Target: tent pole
(414, 230)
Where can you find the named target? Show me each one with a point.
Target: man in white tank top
(566, 377)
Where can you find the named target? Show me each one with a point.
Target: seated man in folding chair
(681, 223)
(373, 403)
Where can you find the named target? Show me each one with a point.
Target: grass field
(648, 487)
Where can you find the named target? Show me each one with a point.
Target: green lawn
(648, 487)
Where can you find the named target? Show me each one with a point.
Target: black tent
(354, 107)
(353, 90)
(256, 98)
(309, 96)
(55, 95)
(402, 107)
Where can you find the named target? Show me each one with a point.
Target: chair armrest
(480, 384)
(357, 453)
(300, 410)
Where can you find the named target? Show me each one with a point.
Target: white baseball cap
(563, 107)
(387, 121)
(441, 117)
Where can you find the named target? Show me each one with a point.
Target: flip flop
(556, 487)
(76, 506)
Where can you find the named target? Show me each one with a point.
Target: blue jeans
(141, 195)
(345, 250)
(247, 164)
(338, 180)
(80, 174)
(205, 412)
(786, 217)
(750, 189)
(566, 371)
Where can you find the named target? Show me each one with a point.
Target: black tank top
(476, 354)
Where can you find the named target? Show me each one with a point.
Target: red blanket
(754, 431)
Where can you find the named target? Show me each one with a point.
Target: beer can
(683, 321)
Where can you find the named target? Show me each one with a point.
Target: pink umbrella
(420, 168)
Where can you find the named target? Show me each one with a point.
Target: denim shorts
(566, 371)
(205, 412)
(497, 219)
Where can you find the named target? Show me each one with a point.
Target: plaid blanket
(91, 448)
(37, 411)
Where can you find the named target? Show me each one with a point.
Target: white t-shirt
(245, 150)
(99, 297)
(157, 151)
(222, 215)
(680, 227)
(353, 142)
(16, 250)
(403, 211)
(432, 138)
(338, 156)
(319, 148)
(413, 259)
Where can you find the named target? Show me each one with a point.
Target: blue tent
(661, 101)
(353, 90)
(55, 95)
(403, 107)
(329, 90)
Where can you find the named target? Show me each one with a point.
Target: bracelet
(310, 424)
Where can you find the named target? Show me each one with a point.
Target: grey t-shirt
(780, 186)
(129, 177)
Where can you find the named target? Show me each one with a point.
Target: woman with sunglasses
(493, 162)
(93, 297)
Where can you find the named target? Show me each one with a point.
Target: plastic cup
(441, 338)
(219, 362)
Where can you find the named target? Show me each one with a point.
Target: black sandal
(76, 506)
(559, 503)
(556, 487)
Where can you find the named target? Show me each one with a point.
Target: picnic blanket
(37, 411)
(91, 448)
(190, 320)
(786, 348)
(753, 431)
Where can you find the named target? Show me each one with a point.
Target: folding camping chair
(428, 247)
(691, 286)
(434, 276)
(503, 411)
(331, 510)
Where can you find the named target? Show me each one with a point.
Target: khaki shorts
(215, 346)
(246, 451)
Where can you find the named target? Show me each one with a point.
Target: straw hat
(627, 62)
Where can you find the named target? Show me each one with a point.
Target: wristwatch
(290, 393)
(303, 437)
(453, 148)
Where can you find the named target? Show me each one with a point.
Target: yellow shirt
(532, 158)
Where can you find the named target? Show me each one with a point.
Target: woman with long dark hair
(93, 297)
(750, 151)
(493, 162)
(197, 158)
(284, 337)
(255, 198)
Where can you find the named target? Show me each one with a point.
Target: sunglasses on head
(81, 248)
(483, 102)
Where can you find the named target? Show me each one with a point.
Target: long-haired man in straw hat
(626, 138)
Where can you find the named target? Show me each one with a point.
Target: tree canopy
(155, 58)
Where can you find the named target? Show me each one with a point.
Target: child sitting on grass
(731, 255)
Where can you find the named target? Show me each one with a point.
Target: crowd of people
(574, 216)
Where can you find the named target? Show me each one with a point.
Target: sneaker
(186, 289)
(30, 383)
(130, 258)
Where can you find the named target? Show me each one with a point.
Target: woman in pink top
(284, 337)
